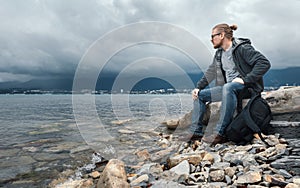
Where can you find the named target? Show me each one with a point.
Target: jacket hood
(239, 41)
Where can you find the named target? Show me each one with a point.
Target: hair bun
(233, 27)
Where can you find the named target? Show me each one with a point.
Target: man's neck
(227, 44)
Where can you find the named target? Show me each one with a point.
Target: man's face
(216, 38)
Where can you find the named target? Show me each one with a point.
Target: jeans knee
(230, 88)
(202, 95)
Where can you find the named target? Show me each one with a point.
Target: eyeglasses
(213, 36)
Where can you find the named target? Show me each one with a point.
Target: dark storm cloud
(48, 37)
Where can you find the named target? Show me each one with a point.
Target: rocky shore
(196, 164)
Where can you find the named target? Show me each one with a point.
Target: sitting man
(236, 65)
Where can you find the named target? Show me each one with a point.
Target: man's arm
(209, 75)
(259, 63)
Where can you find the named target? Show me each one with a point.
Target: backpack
(254, 118)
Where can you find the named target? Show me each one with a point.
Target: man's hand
(238, 80)
(195, 93)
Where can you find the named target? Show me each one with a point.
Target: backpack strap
(244, 94)
(239, 107)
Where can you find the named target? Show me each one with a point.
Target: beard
(216, 46)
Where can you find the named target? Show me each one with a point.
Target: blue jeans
(227, 94)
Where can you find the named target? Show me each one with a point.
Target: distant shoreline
(105, 92)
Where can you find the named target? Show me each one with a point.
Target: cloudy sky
(48, 38)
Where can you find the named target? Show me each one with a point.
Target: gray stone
(139, 180)
(181, 168)
(209, 157)
(71, 184)
(192, 168)
(220, 165)
(126, 131)
(240, 168)
(281, 149)
(157, 156)
(217, 157)
(234, 177)
(249, 177)
(194, 159)
(284, 173)
(172, 176)
(243, 148)
(275, 180)
(163, 142)
(172, 124)
(249, 160)
(143, 155)
(230, 171)
(153, 169)
(205, 163)
(198, 169)
(255, 169)
(185, 121)
(215, 185)
(228, 180)
(217, 175)
(269, 152)
(114, 175)
(260, 158)
(235, 158)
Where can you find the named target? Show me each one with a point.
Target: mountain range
(274, 78)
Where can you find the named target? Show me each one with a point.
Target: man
(236, 65)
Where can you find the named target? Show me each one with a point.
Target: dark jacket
(251, 64)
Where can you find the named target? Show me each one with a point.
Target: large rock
(185, 121)
(113, 176)
(283, 100)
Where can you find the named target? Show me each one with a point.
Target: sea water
(40, 135)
